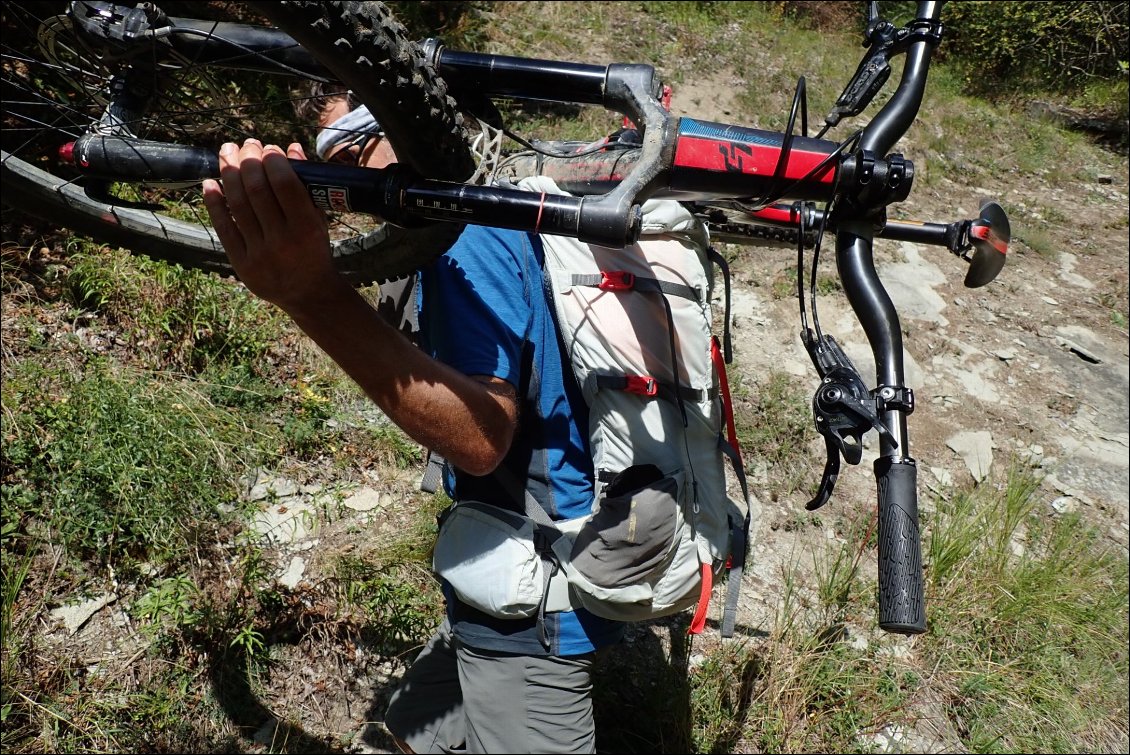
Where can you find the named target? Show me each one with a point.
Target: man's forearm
(469, 422)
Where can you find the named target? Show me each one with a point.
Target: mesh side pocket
(631, 536)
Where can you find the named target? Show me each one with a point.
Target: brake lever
(872, 72)
(843, 410)
(884, 40)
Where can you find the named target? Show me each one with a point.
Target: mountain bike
(107, 107)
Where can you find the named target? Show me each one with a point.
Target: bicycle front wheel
(57, 84)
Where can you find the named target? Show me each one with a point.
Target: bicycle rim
(55, 87)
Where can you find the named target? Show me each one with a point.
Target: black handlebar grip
(902, 607)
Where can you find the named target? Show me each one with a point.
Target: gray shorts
(460, 699)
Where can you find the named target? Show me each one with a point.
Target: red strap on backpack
(724, 387)
(698, 623)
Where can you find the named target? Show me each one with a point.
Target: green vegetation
(124, 465)
(1029, 622)
(116, 464)
(1025, 652)
(1056, 47)
(138, 399)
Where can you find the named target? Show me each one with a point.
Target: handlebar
(901, 605)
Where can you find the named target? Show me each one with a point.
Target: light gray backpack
(637, 325)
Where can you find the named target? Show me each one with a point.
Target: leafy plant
(183, 319)
(400, 598)
(1052, 45)
(167, 604)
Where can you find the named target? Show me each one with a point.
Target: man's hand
(278, 245)
(275, 237)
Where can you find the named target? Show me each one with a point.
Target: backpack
(637, 329)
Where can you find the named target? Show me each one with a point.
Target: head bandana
(345, 129)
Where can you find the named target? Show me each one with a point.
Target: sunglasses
(350, 152)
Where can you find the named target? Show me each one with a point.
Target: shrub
(1055, 46)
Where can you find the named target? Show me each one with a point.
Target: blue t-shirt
(483, 309)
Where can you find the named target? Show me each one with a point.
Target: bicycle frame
(689, 160)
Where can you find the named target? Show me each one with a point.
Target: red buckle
(643, 385)
(616, 280)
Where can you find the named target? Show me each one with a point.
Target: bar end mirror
(989, 234)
